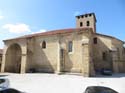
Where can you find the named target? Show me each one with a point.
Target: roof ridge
(51, 32)
(109, 36)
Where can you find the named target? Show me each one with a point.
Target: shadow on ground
(3, 75)
(121, 75)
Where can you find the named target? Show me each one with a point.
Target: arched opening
(13, 59)
(44, 44)
(87, 23)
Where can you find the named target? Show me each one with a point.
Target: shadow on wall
(42, 64)
(102, 56)
(46, 60)
(39, 62)
(66, 63)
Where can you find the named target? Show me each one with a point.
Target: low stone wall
(119, 66)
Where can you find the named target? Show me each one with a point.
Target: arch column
(23, 59)
(58, 70)
(3, 59)
(3, 63)
(115, 60)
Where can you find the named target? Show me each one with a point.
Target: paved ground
(52, 83)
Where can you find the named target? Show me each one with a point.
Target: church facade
(76, 50)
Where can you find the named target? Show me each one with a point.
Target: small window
(86, 15)
(95, 40)
(81, 24)
(87, 23)
(78, 17)
(104, 56)
(70, 44)
(44, 44)
(82, 16)
(90, 14)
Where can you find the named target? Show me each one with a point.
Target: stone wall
(47, 59)
(106, 44)
(8, 57)
(103, 46)
(118, 45)
(84, 19)
(119, 66)
(44, 59)
(85, 58)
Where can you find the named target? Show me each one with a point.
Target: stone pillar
(58, 68)
(86, 58)
(58, 71)
(92, 69)
(4, 59)
(3, 63)
(115, 60)
(23, 59)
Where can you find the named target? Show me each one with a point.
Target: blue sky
(20, 17)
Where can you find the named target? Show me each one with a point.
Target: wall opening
(81, 24)
(87, 23)
(44, 45)
(13, 59)
(70, 46)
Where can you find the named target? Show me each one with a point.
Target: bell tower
(86, 20)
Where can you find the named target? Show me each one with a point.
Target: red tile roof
(61, 31)
(53, 32)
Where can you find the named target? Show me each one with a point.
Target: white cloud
(17, 28)
(1, 17)
(40, 31)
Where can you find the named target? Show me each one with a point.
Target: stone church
(75, 50)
